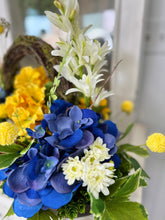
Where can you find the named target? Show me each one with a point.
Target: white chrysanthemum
(98, 151)
(98, 177)
(72, 169)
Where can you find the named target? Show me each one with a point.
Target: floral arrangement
(60, 155)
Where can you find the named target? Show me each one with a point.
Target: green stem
(87, 101)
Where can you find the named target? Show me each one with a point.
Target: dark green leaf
(128, 129)
(119, 210)
(97, 206)
(13, 148)
(10, 212)
(136, 166)
(7, 159)
(143, 182)
(139, 150)
(130, 185)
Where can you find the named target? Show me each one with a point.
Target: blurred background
(136, 32)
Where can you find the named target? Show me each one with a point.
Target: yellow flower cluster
(156, 142)
(26, 105)
(9, 133)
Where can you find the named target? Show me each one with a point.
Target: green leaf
(10, 212)
(7, 159)
(136, 166)
(27, 148)
(116, 186)
(128, 129)
(143, 182)
(44, 215)
(139, 150)
(97, 206)
(13, 148)
(119, 210)
(130, 185)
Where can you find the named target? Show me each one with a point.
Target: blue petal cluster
(36, 181)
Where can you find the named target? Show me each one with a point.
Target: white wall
(151, 104)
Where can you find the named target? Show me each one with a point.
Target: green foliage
(77, 205)
(125, 165)
(130, 185)
(10, 212)
(27, 148)
(13, 148)
(139, 150)
(124, 210)
(136, 165)
(97, 206)
(44, 215)
(117, 205)
(7, 159)
(127, 131)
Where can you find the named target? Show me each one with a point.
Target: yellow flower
(3, 113)
(127, 106)
(156, 142)
(8, 133)
(28, 75)
(1, 28)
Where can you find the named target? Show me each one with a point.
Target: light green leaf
(13, 148)
(116, 186)
(139, 150)
(136, 166)
(27, 148)
(119, 210)
(97, 206)
(10, 212)
(128, 129)
(106, 215)
(7, 159)
(130, 185)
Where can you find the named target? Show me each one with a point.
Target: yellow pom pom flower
(156, 142)
(127, 106)
(1, 28)
(8, 133)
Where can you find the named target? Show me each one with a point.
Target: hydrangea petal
(59, 106)
(8, 191)
(25, 211)
(59, 183)
(75, 113)
(2, 174)
(55, 200)
(112, 128)
(29, 198)
(88, 113)
(86, 140)
(17, 180)
(72, 140)
(116, 159)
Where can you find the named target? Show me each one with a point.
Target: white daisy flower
(98, 177)
(72, 169)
